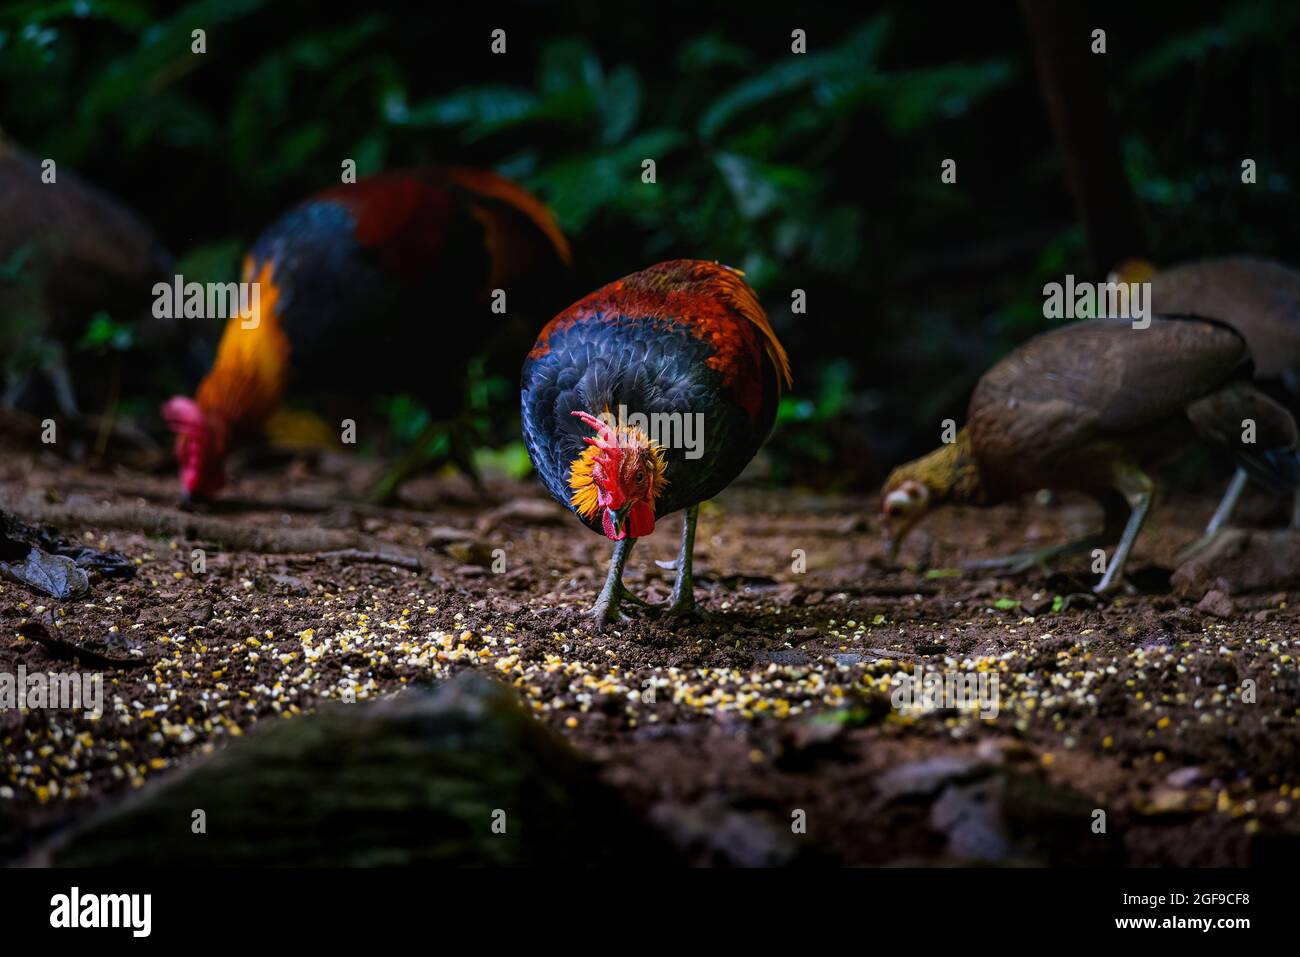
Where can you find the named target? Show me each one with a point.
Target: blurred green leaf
(759, 187)
(580, 186)
(619, 102)
(711, 50)
(14, 269)
(407, 417)
(216, 261)
(102, 332)
(567, 64)
(123, 13)
(481, 108)
(510, 460)
(798, 72)
(272, 139)
(1241, 23)
(919, 97)
(162, 55)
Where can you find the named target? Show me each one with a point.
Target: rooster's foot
(683, 606)
(682, 602)
(685, 614)
(609, 608)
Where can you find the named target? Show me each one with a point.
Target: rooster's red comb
(183, 414)
(605, 436)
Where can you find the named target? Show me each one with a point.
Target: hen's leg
(1137, 490)
(1230, 497)
(683, 598)
(1220, 517)
(1115, 509)
(1042, 557)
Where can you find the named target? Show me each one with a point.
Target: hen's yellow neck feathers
(950, 472)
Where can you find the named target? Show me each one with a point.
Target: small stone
(1185, 777)
(929, 776)
(1002, 750)
(1216, 603)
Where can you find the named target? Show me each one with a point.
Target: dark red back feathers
(681, 339)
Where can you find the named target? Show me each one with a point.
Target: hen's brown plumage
(89, 251)
(1071, 406)
(72, 250)
(1260, 299)
(1088, 406)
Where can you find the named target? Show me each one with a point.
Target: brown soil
(719, 730)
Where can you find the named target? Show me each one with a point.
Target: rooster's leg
(683, 599)
(606, 610)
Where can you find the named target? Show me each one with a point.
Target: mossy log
(459, 776)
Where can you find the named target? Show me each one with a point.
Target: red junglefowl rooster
(368, 288)
(682, 346)
(1087, 407)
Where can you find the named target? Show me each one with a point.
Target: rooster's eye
(640, 477)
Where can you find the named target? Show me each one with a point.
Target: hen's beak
(891, 545)
(894, 533)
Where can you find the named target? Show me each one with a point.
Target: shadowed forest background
(817, 172)
(692, 734)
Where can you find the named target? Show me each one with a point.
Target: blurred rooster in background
(678, 340)
(377, 287)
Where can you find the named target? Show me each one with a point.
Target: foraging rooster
(1086, 407)
(365, 288)
(680, 339)
(1258, 298)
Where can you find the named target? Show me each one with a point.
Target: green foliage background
(817, 171)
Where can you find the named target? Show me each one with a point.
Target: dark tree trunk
(1073, 83)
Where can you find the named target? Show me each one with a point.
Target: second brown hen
(1090, 407)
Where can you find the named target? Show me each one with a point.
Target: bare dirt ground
(1139, 730)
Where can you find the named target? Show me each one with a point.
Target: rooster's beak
(615, 521)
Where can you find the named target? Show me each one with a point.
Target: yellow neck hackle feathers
(251, 370)
(627, 441)
(950, 472)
